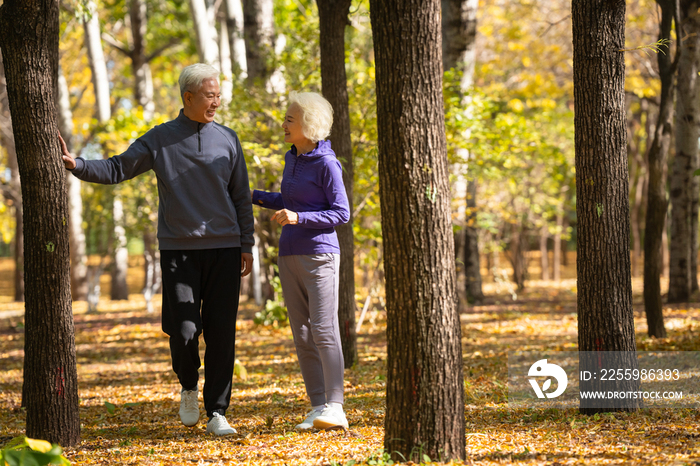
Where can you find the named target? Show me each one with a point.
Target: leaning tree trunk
(687, 132)
(605, 316)
(78, 255)
(30, 51)
(425, 391)
(657, 203)
(333, 17)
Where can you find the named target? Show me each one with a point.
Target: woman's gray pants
(310, 288)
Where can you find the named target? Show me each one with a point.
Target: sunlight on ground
(123, 360)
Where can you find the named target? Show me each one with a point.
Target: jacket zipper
(199, 137)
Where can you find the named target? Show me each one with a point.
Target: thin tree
(12, 191)
(333, 17)
(459, 53)
(100, 82)
(29, 45)
(78, 247)
(425, 387)
(657, 156)
(604, 298)
(683, 187)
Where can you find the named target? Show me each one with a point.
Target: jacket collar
(191, 124)
(321, 149)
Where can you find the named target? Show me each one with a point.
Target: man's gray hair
(193, 76)
(317, 114)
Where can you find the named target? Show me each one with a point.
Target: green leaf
(696, 172)
(110, 407)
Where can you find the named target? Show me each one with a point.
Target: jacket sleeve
(268, 200)
(339, 210)
(137, 159)
(239, 190)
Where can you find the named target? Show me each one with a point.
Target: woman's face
(293, 133)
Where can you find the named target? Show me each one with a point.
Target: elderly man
(205, 233)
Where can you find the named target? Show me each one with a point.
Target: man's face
(201, 104)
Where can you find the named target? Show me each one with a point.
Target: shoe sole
(328, 426)
(222, 435)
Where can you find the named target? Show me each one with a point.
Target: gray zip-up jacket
(203, 191)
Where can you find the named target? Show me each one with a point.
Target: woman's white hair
(193, 76)
(316, 114)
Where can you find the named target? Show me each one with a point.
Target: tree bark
(333, 17)
(683, 188)
(30, 50)
(258, 31)
(657, 158)
(78, 257)
(604, 298)
(425, 391)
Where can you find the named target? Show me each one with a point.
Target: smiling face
(293, 132)
(201, 104)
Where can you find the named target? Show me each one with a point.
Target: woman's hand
(286, 217)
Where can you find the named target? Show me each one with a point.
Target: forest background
(511, 136)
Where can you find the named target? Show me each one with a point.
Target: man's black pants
(210, 280)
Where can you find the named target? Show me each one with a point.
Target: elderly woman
(312, 202)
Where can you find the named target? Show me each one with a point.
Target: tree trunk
(544, 259)
(98, 66)
(234, 23)
(333, 17)
(30, 51)
(459, 52)
(119, 289)
(258, 31)
(556, 254)
(425, 387)
(225, 63)
(687, 132)
(143, 82)
(204, 17)
(657, 156)
(12, 191)
(472, 267)
(604, 298)
(459, 38)
(78, 257)
(100, 81)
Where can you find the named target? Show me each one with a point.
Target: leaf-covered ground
(129, 395)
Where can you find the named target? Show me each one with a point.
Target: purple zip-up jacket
(312, 186)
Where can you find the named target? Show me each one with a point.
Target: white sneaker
(331, 418)
(218, 425)
(189, 409)
(309, 421)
